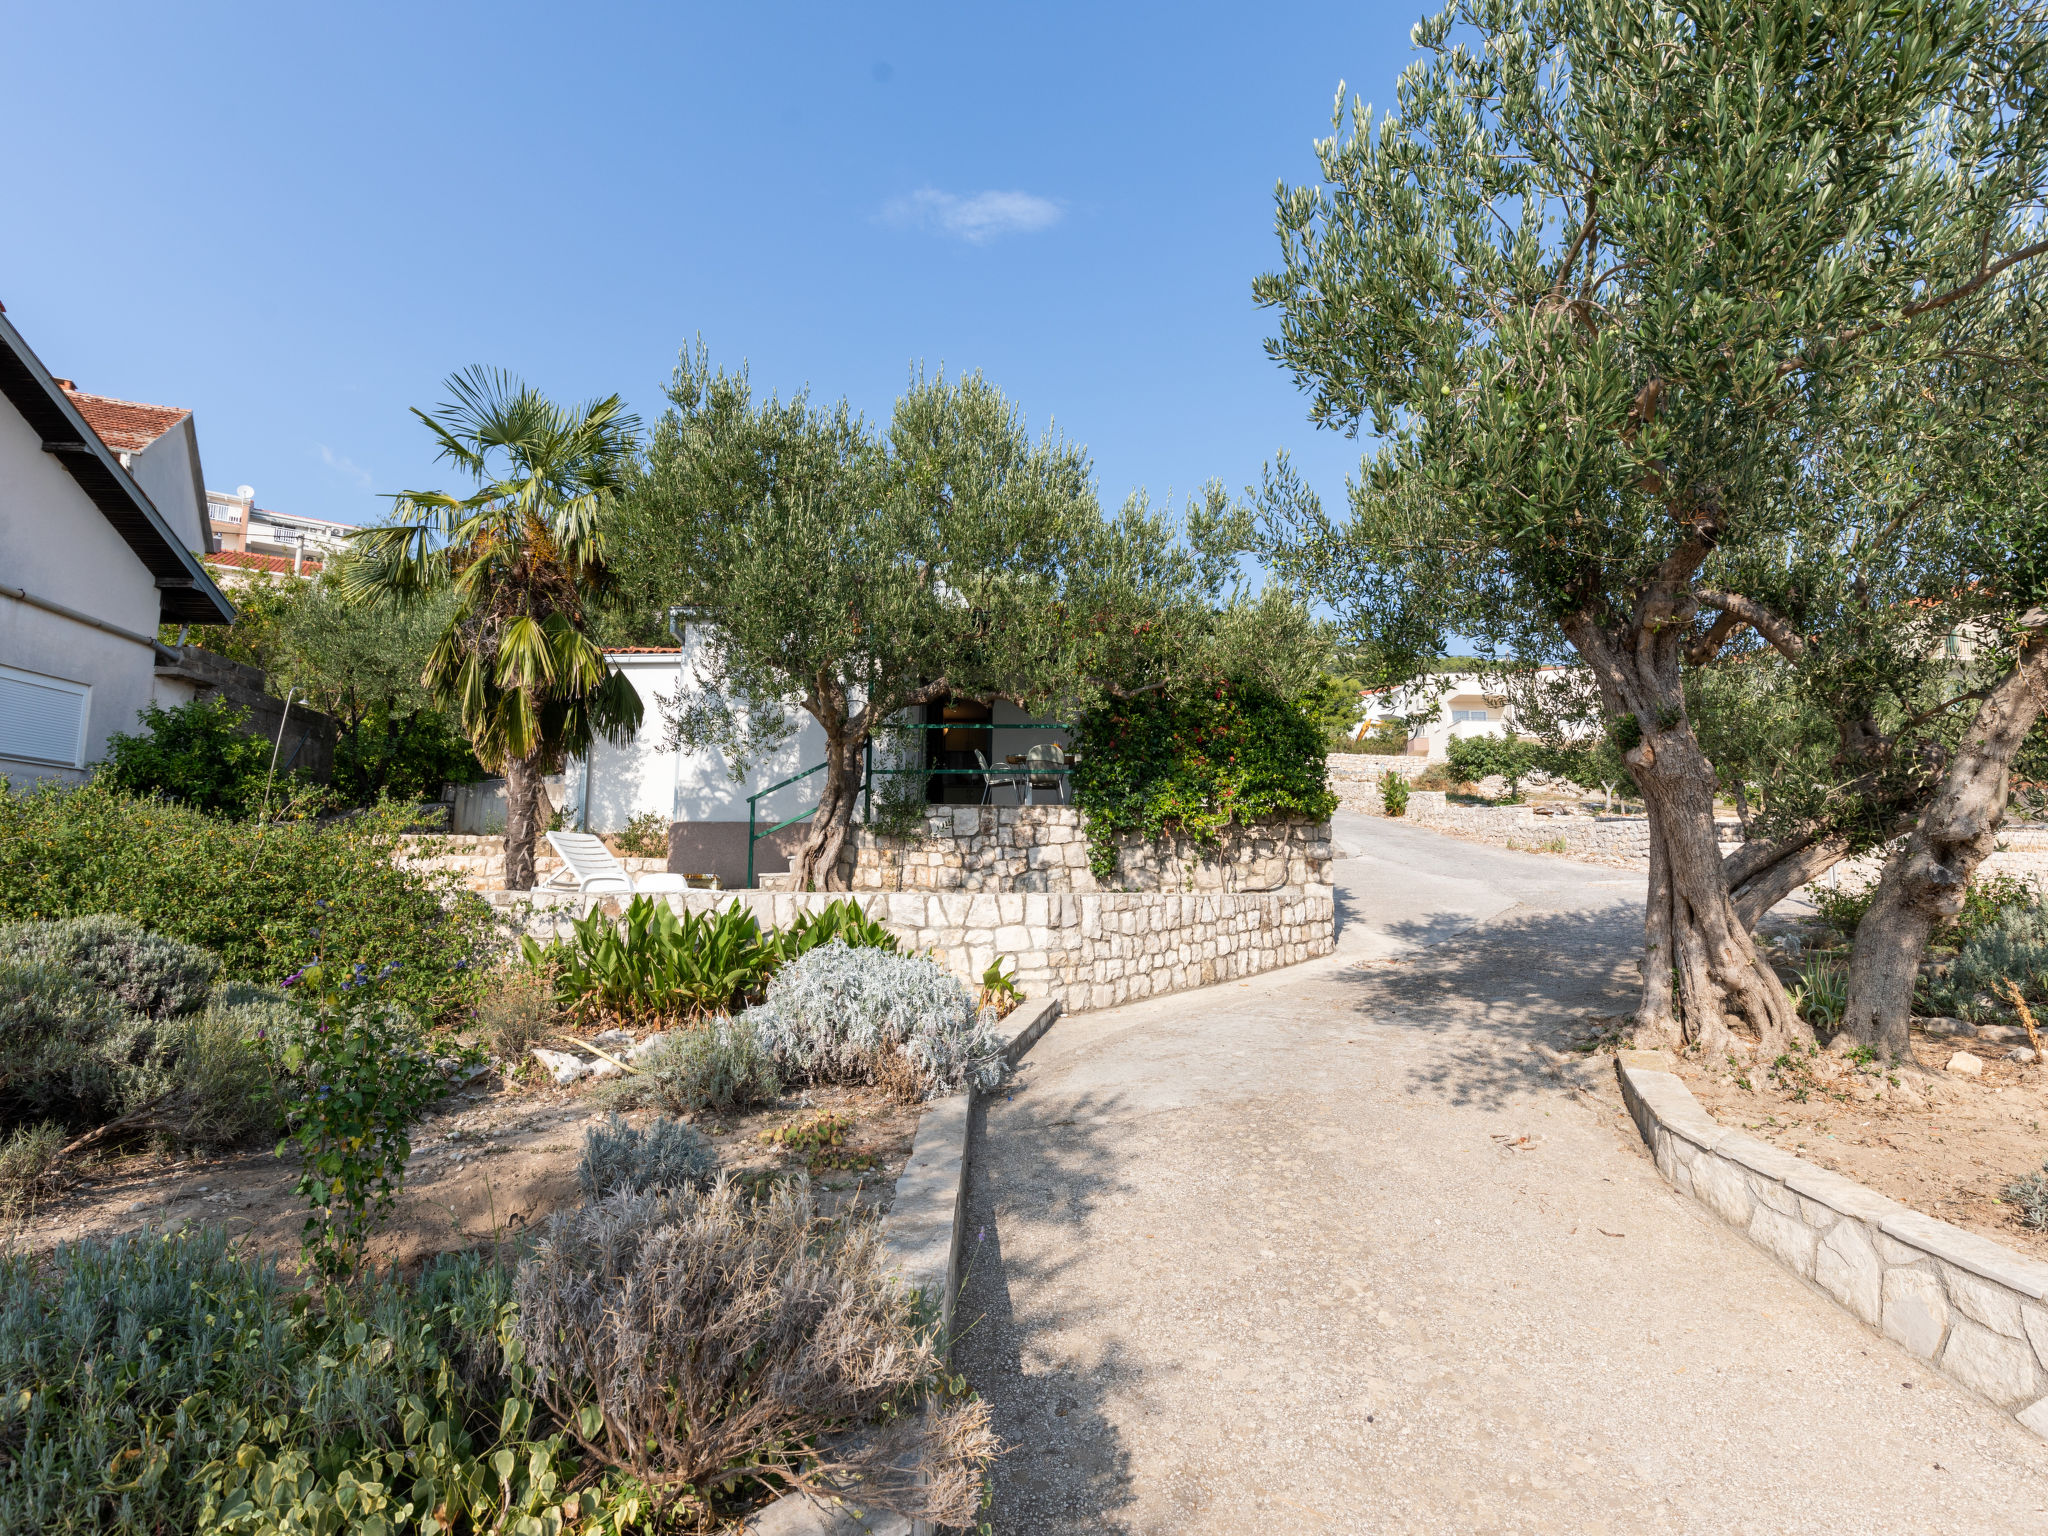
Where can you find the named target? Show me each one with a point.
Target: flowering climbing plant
(353, 1072)
(1193, 760)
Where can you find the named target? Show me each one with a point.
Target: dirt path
(1327, 1251)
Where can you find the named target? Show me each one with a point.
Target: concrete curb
(924, 1238)
(1971, 1308)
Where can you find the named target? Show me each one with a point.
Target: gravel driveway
(1328, 1251)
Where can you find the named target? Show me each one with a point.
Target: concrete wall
(1084, 951)
(644, 777)
(55, 544)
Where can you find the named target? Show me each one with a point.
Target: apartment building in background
(281, 543)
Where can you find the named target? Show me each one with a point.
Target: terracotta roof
(242, 559)
(124, 425)
(640, 650)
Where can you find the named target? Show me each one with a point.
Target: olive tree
(1601, 287)
(854, 571)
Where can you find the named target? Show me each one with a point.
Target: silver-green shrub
(836, 1014)
(712, 1336)
(144, 972)
(2013, 948)
(721, 1065)
(665, 1155)
(67, 1051)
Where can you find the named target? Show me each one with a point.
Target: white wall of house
(57, 546)
(695, 786)
(169, 473)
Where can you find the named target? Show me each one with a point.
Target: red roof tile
(125, 425)
(640, 650)
(242, 559)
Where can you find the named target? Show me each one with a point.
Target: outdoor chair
(991, 778)
(585, 857)
(1038, 761)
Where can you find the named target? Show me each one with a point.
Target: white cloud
(345, 466)
(974, 216)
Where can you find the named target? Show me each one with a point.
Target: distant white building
(1437, 710)
(102, 530)
(285, 541)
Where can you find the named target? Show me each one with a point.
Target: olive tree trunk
(1701, 968)
(1924, 882)
(524, 792)
(817, 865)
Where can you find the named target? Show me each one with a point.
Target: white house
(1447, 705)
(707, 808)
(102, 525)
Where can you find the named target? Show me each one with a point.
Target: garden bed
(1948, 1151)
(490, 1162)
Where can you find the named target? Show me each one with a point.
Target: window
(42, 719)
(1465, 716)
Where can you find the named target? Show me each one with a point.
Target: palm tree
(524, 556)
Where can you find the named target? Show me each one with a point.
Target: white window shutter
(42, 719)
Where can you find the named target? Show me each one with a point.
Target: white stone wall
(1045, 848)
(1971, 1308)
(1091, 950)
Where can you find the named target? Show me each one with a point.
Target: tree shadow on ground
(1489, 996)
(1064, 1464)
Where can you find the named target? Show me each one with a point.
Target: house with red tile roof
(102, 530)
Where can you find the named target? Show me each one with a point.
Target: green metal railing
(869, 773)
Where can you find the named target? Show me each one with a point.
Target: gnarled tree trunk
(524, 793)
(1700, 966)
(817, 862)
(1924, 882)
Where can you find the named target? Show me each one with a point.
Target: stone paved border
(1971, 1308)
(923, 1234)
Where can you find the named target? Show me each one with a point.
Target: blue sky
(297, 221)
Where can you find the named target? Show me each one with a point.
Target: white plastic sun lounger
(585, 857)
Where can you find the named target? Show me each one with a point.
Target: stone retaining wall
(1969, 1307)
(1044, 848)
(480, 860)
(1084, 950)
(1355, 776)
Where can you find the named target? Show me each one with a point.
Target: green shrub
(666, 1155)
(165, 1385)
(716, 1066)
(267, 900)
(646, 836)
(1472, 758)
(1985, 903)
(656, 962)
(1394, 793)
(198, 755)
(353, 1077)
(842, 920)
(221, 1079)
(1822, 993)
(144, 972)
(1194, 761)
(28, 1154)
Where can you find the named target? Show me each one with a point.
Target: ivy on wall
(1194, 761)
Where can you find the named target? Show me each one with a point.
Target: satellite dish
(246, 492)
